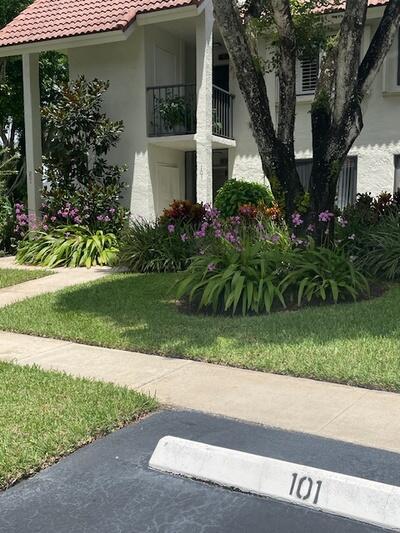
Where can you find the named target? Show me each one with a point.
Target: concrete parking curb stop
(331, 492)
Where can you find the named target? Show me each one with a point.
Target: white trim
(222, 142)
(322, 490)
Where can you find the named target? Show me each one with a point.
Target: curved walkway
(60, 279)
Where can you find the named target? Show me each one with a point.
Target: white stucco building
(163, 55)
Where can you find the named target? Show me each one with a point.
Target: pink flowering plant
(187, 230)
(249, 264)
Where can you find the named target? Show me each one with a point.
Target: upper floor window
(391, 68)
(307, 75)
(347, 183)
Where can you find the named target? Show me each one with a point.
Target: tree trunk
(336, 114)
(276, 151)
(285, 182)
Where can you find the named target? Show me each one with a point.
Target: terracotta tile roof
(340, 5)
(54, 19)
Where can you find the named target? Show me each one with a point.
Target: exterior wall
(375, 148)
(124, 65)
(246, 163)
(130, 69)
(378, 142)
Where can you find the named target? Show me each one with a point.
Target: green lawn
(44, 415)
(10, 276)
(349, 343)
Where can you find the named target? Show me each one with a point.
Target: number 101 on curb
(305, 488)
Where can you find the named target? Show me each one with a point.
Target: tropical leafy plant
(155, 247)
(379, 248)
(245, 279)
(68, 246)
(235, 193)
(323, 274)
(174, 110)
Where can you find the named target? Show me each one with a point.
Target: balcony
(172, 111)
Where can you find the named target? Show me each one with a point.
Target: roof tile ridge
(128, 18)
(23, 14)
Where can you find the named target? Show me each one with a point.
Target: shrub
(379, 248)
(69, 246)
(82, 188)
(5, 216)
(155, 247)
(235, 193)
(323, 274)
(368, 211)
(8, 165)
(187, 229)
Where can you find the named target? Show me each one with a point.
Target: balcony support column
(33, 131)
(204, 70)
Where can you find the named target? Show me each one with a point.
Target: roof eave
(103, 37)
(66, 42)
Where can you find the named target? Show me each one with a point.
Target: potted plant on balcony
(174, 112)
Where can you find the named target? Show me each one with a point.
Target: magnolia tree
(53, 71)
(297, 29)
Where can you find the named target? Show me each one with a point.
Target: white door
(165, 64)
(168, 187)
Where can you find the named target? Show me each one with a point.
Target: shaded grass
(45, 415)
(357, 343)
(10, 276)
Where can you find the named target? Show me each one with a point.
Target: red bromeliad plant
(184, 211)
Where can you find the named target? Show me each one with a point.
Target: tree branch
(287, 70)
(348, 57)
(379, 47)
(250, 78)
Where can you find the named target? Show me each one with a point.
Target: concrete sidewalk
(59, 279)
(361, 416)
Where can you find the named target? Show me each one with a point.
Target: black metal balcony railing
(172, 111)
(222, 113)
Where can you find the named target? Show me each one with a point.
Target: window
(396, 173)
(391, 68)
(347, 183)
(307, 75)
(304, 167)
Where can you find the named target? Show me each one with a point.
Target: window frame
(299, 77)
